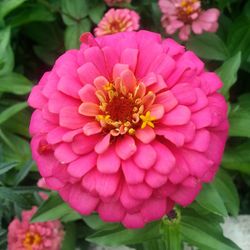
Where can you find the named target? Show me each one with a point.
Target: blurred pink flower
(128, 126)
(118, 20)
(113, 2)
(23, 235)
(187, 15)
(42, 184)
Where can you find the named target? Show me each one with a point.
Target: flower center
(44, 147)
(115, 26)
(187, 8)
(123, 111)
(31, 239)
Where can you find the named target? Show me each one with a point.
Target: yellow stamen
(147, 120)
(31, 239)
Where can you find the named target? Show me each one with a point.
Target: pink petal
(127, 200)
(88, 202)
(133, 221)
(87, 94)
(118, 69)
(201, 102)
(145, 135)
(87, 73)
(55, 135)
(184, 93)
(82, 165)
(36, 98)
(103, 144)
(200, 142)
(140, 191)
(165, 158)
(125, 147)
(145, 156)
(178, 116)
(82, 144)
(108, 162)
(167, 99)
(129, 57)
(157, 111)
(100, 82)
(111, 212)
(70, 118)
(69, 86)
(89, 109)
(92, 128)
(107, 184)
(69, 136)
(132, 173)
(154, 209)
(202, 118)
(54, 183)
(128, 80)
(154, 179)
(64, 153)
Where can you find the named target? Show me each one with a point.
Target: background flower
(23, 235)
(118, 20)
(187, 15)
(128, 126)
(113, 2)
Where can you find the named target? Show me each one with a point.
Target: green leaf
(210, 199)
(23, 172)
(6, 53)
(15, 83)
(51, 209)
(74, 11)
(204, 240)
(94, 222)
(208, 46)
(5, 167)
(73, 33)
(11, 195)
(239, 37)
(37, 13)
(122, 236)
(11, 111)
(237, 158)
(239, 117)
(96, 12)
(69, 241)
(6, 6)
(228, 73)
(227, 190)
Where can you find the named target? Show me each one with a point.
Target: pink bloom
(42, 184)
(118, 20)
(113, 2)
(128, 126)
(23, 235)
(187, 15)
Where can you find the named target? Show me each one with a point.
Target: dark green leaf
(227, 190)
(5, 167)
(74, 11)
(122, 236)
(69, 241)
(210, 199)
(53, 208)
(228, 73)
(239, 117)
(73, 33)
(11, 111)
(96, 12)
(208, 46)
(7, 6)
(23, 172)
(237, 158)
(15, 83)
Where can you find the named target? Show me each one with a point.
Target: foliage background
(33, 33)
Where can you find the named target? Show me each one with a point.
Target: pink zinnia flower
(113, 2)
(187, 15)
(118, 20)
(128, 126)
(23, 235)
